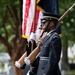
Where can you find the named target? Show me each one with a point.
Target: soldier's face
(44, 24)
(48, 26)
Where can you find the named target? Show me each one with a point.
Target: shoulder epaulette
(55, 36)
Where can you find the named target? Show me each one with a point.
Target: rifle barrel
(64, 15)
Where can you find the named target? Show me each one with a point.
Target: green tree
(10, 30)
(68, 30)
(11, 23)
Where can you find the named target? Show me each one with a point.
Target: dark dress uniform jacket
(50, 56)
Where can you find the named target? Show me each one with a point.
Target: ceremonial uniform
(50, 53)
(49, 56)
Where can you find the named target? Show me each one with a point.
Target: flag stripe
(37, 17)
(38, 25)
(36, 21)
(23, 13)
(30, 17)
(26, 14)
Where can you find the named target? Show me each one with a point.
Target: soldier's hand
(42, 39)
(31, 58)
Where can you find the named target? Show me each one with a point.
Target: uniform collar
(48, 35)
(50, 32)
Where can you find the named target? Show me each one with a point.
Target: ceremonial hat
(49, 16)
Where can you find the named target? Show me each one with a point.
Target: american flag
(28, 18)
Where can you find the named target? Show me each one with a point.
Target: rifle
(34, 53)
(20, 63)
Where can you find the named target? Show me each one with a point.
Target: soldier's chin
(46, 30)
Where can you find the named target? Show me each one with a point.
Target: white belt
(44, 58)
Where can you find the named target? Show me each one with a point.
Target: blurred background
(12, 45)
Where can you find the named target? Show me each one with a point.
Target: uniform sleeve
(34, 66)
(54, 55)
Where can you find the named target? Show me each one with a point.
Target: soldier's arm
(31, 58)
(20, 63)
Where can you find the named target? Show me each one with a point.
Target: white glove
(27, 61)
(32, 36)
(17, 64)
(28, 72)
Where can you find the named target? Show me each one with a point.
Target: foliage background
(11, 23)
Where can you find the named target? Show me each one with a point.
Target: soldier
(34, 65)
(31, 69)
(49, 47)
